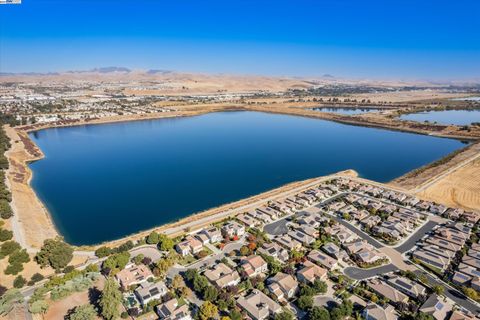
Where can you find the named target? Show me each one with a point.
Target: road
(419, 234)
(356, 273)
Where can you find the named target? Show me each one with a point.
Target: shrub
(8, 247)
(14, 269)
(5, 209)
(5, 235)
(54, 253)
(103, 252)
(19, 282)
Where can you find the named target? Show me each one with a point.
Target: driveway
(149, 251)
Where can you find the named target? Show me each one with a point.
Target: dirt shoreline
(32, 223)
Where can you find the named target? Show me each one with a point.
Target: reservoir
(102, 182)
(457, 117)
(346, 111)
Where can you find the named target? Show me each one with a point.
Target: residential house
(407, 286)
(288, 243)
(442, 243)
(370, 221)
(374, 312)
(222, 276)
(170, 310)
(254, 266)
(301, 237)
(258, 306)
(213, 234)
(133, 274)
(311, 272)
(233, 228)
(437, 307)
(148, 291)
(381, 288)
(283, 286)
(431, 259)
(190, 245)
(471, 262)
(250, 221)
(322, 259)
(203, 238)
(333, 250)
(274, 250)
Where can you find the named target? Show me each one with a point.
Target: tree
(19, 282)
(110, 300)
(118, 261)
(423, 316)
(8, 247)
(103, 252)
(439, 290)
(319, 313)
(38, 306)
(5, 209)
(54, 253)
(84, 312)
(191, 274)
(200, 283)
(305, 302)
(165, 243)
(177, 282)
(9, 299)
(235, 315)
(19, 256)
(5, 235)
(208, 311)
(469, 292)
(210, 294)
(244, 251)
(14, 269)
(35, 278)
(153, 238)
(320, 286)
(284, 315)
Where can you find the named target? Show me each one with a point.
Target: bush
(19, 282)
(8, 247)
(14, 269)
(103, 252)
(55, 253)
(36, 277)
(5, 235)
(5, 209)
(19, 256)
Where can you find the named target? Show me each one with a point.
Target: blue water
(457, 117)
(347, 111)
(102, 182)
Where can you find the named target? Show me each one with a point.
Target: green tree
(8, 247)
(153, 238)
(38, 306)
(110, 300)
(210, 294)
(19, 256)
(165, 243)
(469, 292)
(235, 315)
(19, 282)
(305, 302)
(14, 269)
(320, 286)
(284, 315)
(84, 312)
(5, 235)
(319, 313)
(5, 209)
(200, 283)
(54, 253)
(103, 252)
(439, 290)
(9, 299)
(423, 316)
(208, 311)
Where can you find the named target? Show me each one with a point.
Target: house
(133, 274)
(407, 286)
(369, 256)
(254, 266)
(469, 270)
(148, 291)
(439, 251)
(190, 245)
(258, 306)
(312, 232)
(274, 250)
(311, 272)
(431, 259)
(357, 246)
(458, 315)
(213, 234)
(260, 216)
(437, 307)
(461, 279)
(288, 243)
(471, 217)
(301, 237)
(283, 286)
(360, 215)
(282, 207)
(203, 238)
(233, 228)
(170, 310)
(381, 288)
(471, 262)
(333, 250)
(274, 214)
(374, 312)
(222, 276)
(442, 243)
(370, 221)
(249, 221)
(322, 259)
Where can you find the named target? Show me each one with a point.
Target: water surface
(347, 111)
(456, 117)
(102, 182)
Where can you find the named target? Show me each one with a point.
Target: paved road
(419, 234)
(149, 251)
(359, 232)
(362, 274)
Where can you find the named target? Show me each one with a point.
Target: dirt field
(458, 189)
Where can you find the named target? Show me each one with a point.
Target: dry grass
(459, 189)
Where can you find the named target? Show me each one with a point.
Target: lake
(347, 111)
(457, 117)
(102, 182)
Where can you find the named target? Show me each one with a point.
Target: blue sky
(407, 39)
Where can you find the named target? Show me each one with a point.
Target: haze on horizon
(347, 38)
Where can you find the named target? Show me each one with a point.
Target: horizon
(408, 41)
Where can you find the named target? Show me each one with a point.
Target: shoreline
(25, 151)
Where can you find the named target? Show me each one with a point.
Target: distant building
(258, 306)
(149, 291)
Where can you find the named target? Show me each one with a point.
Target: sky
(387, 39)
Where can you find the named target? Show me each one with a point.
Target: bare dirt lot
(458, 189)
